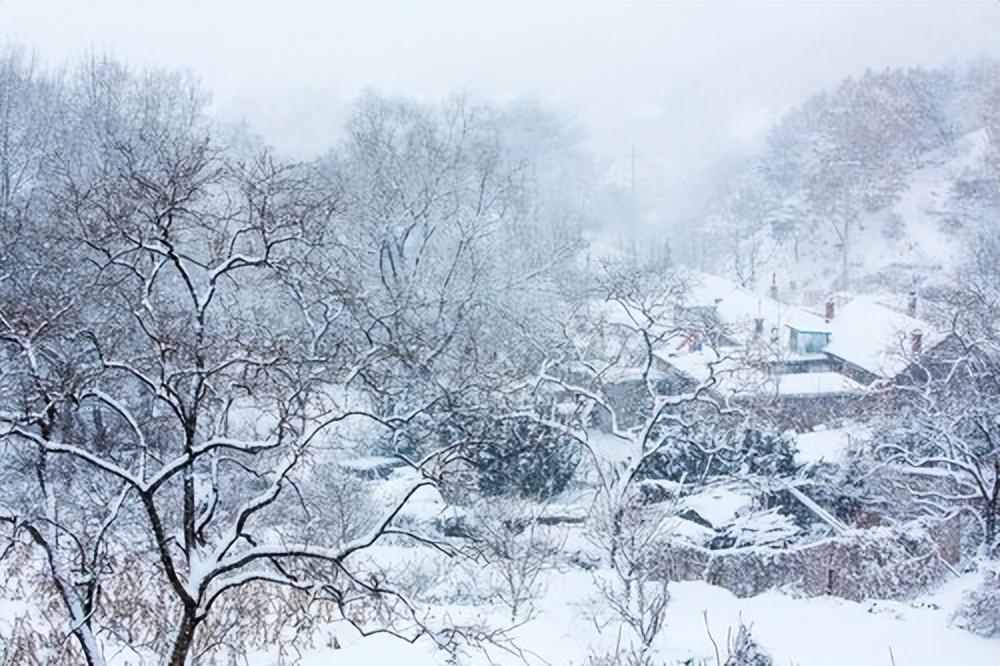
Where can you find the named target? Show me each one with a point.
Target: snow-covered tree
(187, 325)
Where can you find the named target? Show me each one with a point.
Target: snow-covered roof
(865, 331)
(815, 383)
(737, 307)
(732, 375)
(630, 316)
(735, 377)
(612, 374)
(367, 463)
(827, 445)
(877, 338)
(719, 505)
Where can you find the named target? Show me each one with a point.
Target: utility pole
(632, 187)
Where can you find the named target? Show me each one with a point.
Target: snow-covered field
(569, 623)
(819, 631)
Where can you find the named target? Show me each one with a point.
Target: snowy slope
(922, 208)
(902, 245)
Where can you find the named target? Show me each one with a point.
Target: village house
(872, 341)
(802, 367)
(808, 367)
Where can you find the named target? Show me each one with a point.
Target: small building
(755, 345)
(806, 341)
(735, 315)
(872, 341)
(807, 366)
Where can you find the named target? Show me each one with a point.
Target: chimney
(911, 305)
(829, 311)
(917, 341)
(758, 327)
(774, 286)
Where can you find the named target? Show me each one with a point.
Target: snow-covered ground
(818, 631)
(570, 623)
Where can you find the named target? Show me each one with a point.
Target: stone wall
(882, 562)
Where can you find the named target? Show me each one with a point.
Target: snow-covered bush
(525, 458)
(412, 441)
(349, 507)
(502, 455)
(622, 657)
(632, 589)
(518, 549)
(745, 651)
(767, 453)
(31, 634)
(754, 452)
(979, 611)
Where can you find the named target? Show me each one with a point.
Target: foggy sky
(689, 84)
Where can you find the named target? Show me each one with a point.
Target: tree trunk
(844, 257)
(184, 640)
(990, 523)
(88, 643)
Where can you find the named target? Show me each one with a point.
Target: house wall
(936, 362)
(807, 342)
(673, 380)
(848, 369)
(630, 399)
(803, 413)
(797, 367)
(800, 413)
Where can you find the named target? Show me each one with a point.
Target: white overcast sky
(689, 83)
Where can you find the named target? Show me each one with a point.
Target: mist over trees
(831, 171)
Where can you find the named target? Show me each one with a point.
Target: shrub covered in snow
(745, 651)
(768, 453)
(980, 608)
(519, 552)
(507, 456)
(755, 452)
(525, 458)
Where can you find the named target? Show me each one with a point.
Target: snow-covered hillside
(915, 240)
(882, 182)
